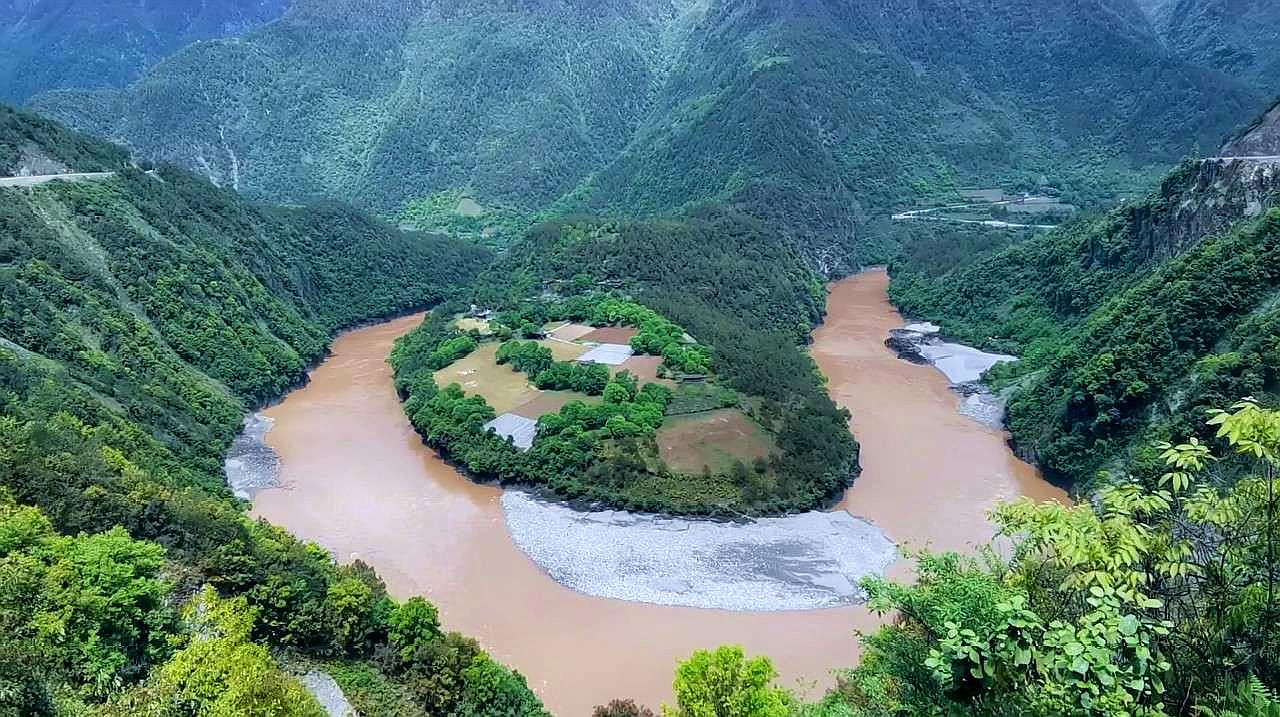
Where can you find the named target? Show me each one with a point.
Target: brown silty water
(358, 481)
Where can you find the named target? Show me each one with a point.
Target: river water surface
(356, 479)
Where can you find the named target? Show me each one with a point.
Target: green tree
(412, 625)
(725, 683)
(221, 673)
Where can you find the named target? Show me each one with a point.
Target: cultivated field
(470, 324)
(715, 439)
(504, 389)
(568, 332)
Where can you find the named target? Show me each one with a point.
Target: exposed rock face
(797, 562)
(1262, 138)
(1196, 202)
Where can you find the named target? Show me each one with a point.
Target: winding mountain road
(37, 179)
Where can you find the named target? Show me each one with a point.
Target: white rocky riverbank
(797, 562)
(251, 464)
(962, 365)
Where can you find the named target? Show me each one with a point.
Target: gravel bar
(251, 464)
(798, 562)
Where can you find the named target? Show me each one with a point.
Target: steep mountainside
(1130, 324)
(389, 102)
(816, 116)
(35, 145)
(820, 116)
(139, 315)
(58, 44)
(1239, 37)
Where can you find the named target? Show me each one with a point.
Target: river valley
(355, 478)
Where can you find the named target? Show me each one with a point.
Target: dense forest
(1238, 37)
(736, 286)
(96, 44)
(817, 117)
(88, 44)
(139, 316)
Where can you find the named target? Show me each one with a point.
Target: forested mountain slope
(816, 116)
(1131, 323)
(139, 316)
(1239, 37)
(386, 102)
(59, 44)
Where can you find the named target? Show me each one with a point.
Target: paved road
(43, 178)
(1270, 158)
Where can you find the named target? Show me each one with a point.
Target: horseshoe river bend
(590, 607)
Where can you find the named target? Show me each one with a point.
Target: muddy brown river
(356, 479)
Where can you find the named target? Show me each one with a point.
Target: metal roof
(519, 429)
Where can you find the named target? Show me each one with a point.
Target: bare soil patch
(611, 335)
(550, 402)
(645, 368)
(561, 351)
(715, 439)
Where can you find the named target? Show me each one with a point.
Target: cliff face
(1198, 202)
(1262, 138)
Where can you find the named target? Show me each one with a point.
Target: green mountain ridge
(818, 117)
(1239, 37)
(1131, 324)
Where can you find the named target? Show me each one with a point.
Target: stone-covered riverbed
(797, 562)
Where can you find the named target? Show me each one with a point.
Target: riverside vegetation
(1149, 601)
(139, 317)
(749, 300)
(1130, 324)
(605, 452)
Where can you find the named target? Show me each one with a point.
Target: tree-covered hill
(820, 115)
(817, 117)
(139, 316)
(60, 44)
(388, 102)
(30, 144)
(1130, 323)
